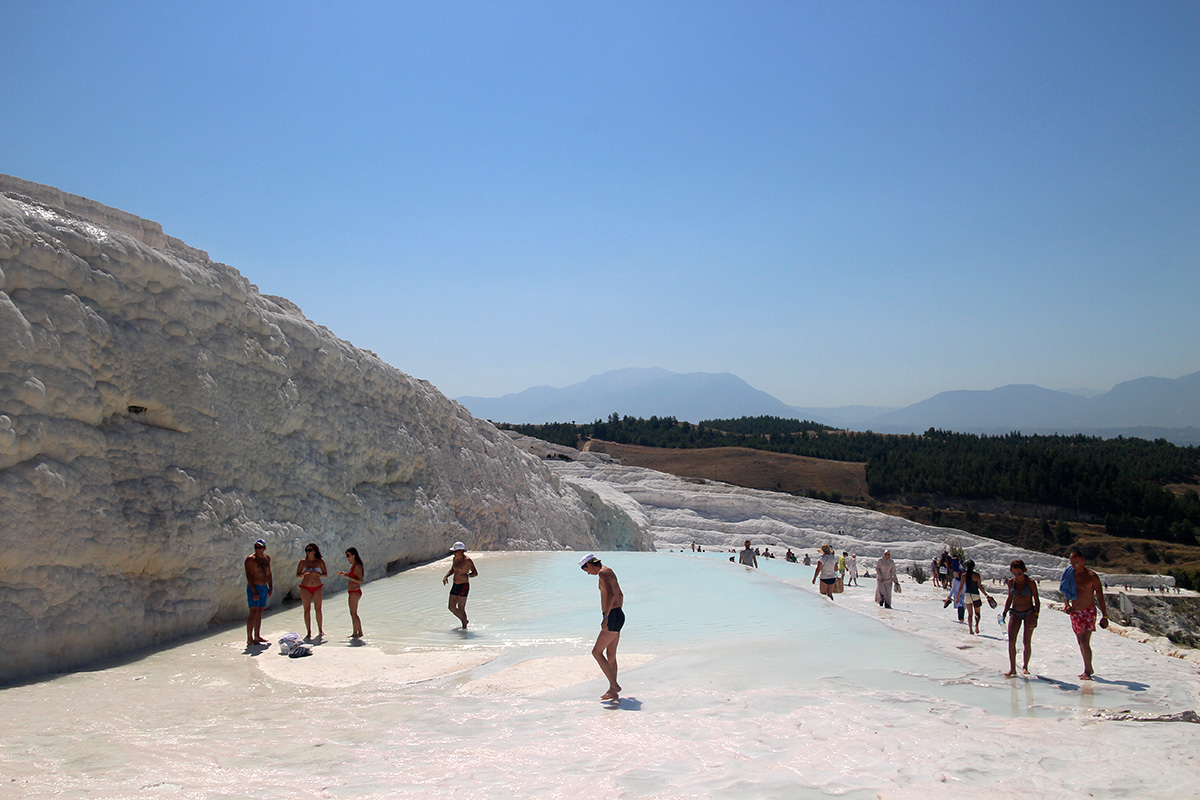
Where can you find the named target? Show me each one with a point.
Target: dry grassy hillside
(779, 472)
(741, 466)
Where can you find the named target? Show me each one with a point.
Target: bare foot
(262, 641)
(611, 695)
(1083, 676)
(1012, 673)
(1025, 669)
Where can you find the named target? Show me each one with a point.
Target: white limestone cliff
(158, 414)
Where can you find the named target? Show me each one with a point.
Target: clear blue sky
(840, 202)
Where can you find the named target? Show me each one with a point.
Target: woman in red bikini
(311, 572)
(354, 591)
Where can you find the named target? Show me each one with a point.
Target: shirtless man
(259, 585)
(611, 599)
(463, 569)
(1083, 610)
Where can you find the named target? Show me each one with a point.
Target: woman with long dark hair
(1023, 603)
(970, 588)
(311, 571)
(354, 590)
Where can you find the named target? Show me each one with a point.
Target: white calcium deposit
(677, 512)
(158, 414)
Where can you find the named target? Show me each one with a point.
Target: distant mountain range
(1147, 407)
(633, 392)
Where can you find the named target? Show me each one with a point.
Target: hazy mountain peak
(1146, 407)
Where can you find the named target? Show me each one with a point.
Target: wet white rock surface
(158, 414)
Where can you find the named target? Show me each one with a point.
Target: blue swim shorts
(261, 602)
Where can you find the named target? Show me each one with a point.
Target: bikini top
(1015, 592)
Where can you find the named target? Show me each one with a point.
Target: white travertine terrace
(158, 414)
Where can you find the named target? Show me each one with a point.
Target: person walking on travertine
(1024, 604)
(1089, 594)
(463, 569)
(259, 585)
(611, 602)
(885, 579)
(826, 570)
(970, 594)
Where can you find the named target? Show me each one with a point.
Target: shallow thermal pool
(730, 677)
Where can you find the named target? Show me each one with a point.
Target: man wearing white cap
(259, 585)
(611, 600)
(463, 569)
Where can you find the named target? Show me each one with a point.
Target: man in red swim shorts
(1083, 610)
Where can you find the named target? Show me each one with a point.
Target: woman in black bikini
(1024, 603)
(354, 590)
(311, 572)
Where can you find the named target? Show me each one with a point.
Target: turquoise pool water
(751, 686)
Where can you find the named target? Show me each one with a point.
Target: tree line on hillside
(1121, 480)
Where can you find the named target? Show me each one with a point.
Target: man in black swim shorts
(611, 600)
(463, 569)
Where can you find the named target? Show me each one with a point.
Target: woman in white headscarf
(885, 579)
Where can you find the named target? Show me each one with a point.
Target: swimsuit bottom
(312, 589)
(616, 620)
(261, 600)
(829, 581)
(354, 591)
(460, 589)
(1021, 614)
(1083, 620)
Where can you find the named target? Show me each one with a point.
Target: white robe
(885, 578)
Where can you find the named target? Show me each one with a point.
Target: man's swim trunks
(261, 601)
(1083, 619)
(460, 589)
(616, 620)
